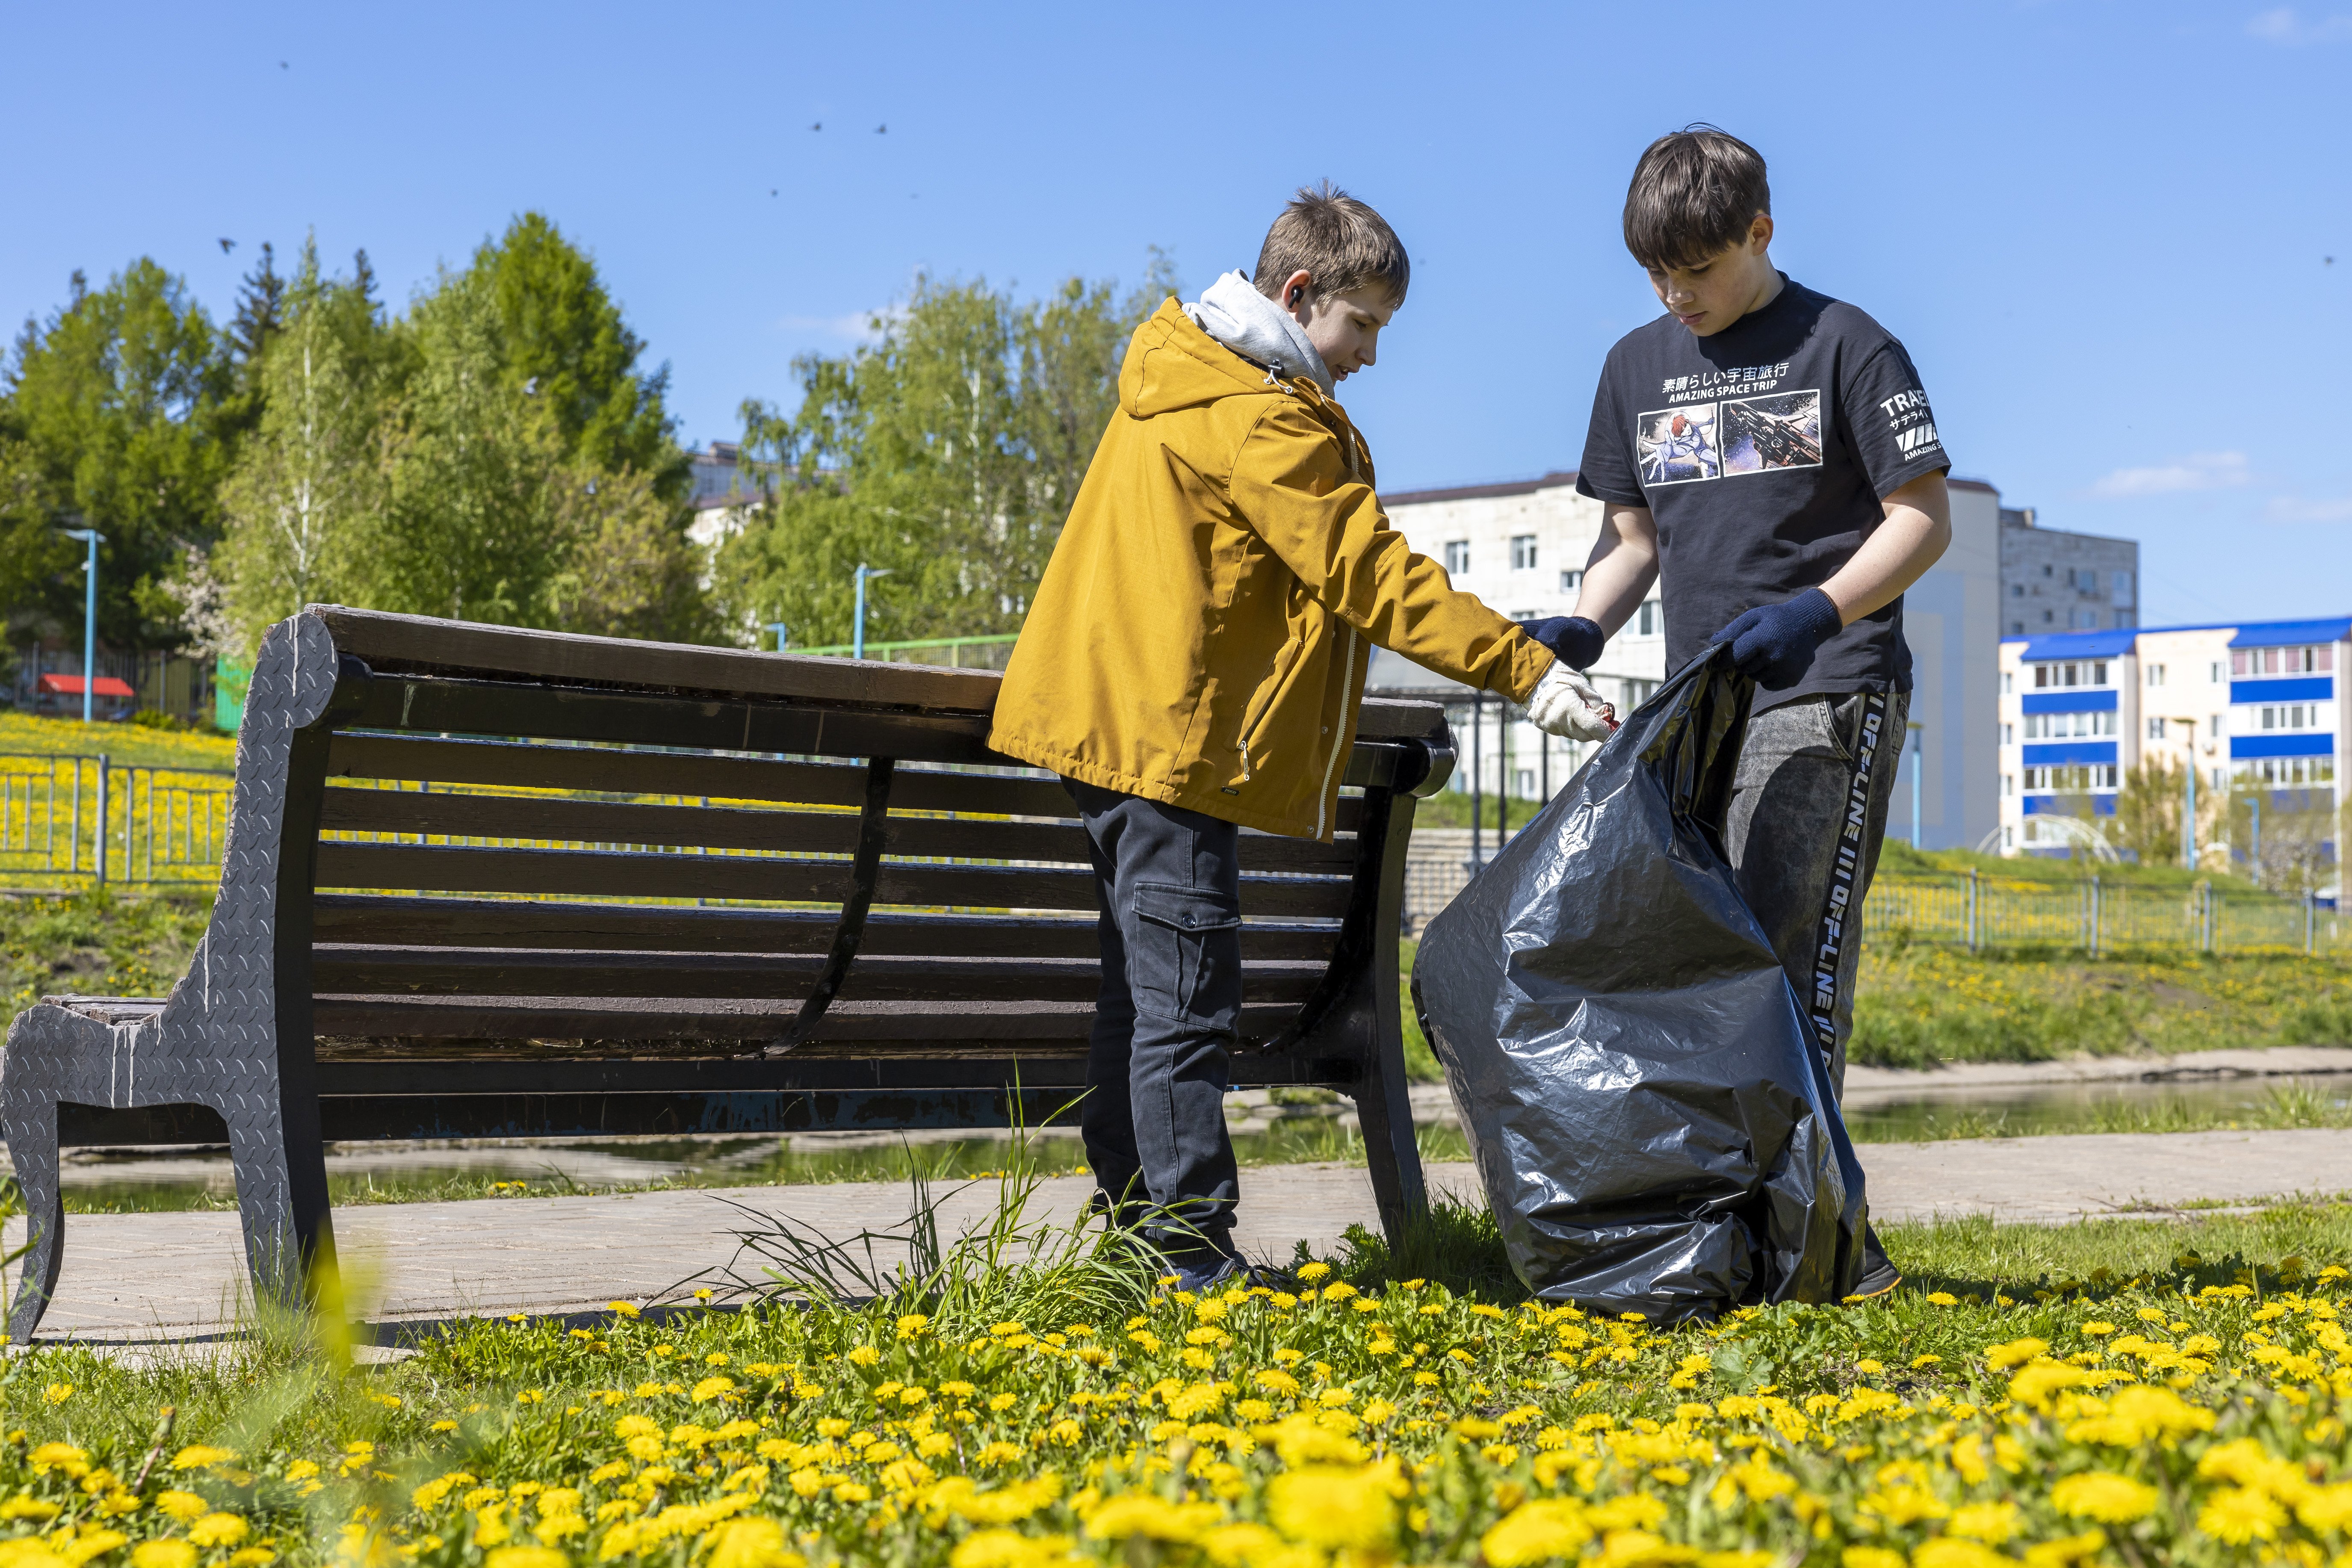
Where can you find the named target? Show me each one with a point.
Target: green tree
(947, 452)
(469, 525)
(561, 339)
(116, 421)
(309, 484)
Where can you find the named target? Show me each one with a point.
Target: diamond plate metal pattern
(216, 1041)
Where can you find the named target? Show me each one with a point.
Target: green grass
(1919, 1006)
(1035, 1371)
(103, 941)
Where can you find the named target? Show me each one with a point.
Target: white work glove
(1564, 704)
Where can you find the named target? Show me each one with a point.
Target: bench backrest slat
(568, 821)
(623, 874)
(671, 928)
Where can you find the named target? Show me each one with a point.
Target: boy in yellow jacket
(1192, 664)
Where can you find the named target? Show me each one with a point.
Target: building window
(2006, 686)
(2156, 675)
(1523, 782)
(2061, 726)
(2220, 780)
(2156, 729)
(1523, 553)
(2217, 725)
(1570, 582)
(2048, 617)
(2008, 784)
(1649, 617)
(2317, 660)
(2213, 672)
(2017, 590)
(2008, 837)
(1457, 557)
(2005, 738)
(2017, 628)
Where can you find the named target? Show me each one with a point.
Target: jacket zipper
(1250, 727)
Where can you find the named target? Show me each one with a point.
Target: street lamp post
(858, 637)
(2188, 813)
(89, 616)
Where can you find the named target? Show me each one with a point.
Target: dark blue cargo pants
(1168, 883)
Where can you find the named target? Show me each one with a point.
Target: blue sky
(2099, 227)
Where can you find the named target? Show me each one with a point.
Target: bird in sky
(282, 66)
(771, 190)
(226, 246)
(818, 126)
(881, 131)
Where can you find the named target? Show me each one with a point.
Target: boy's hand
(1775, 643)
(1564, 704)
(1573, 640)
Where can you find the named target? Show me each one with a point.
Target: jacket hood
(1172, 363)
(1235, 313)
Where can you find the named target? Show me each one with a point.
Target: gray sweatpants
(1808, 815)
(1168, 884)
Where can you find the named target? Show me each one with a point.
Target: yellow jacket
(1202, 629)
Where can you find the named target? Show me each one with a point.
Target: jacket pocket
(1184, 955)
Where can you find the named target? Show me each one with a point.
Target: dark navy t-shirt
(1762, 452)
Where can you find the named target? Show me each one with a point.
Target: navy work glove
(1775, 643)
(1573, 640)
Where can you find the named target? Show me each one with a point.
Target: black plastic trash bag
(1655, 1129)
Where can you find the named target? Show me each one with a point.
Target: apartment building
(2053, 580)
(2255, 704)
(1522, 547)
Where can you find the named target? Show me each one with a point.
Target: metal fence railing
(72, 821)
(2094, 915)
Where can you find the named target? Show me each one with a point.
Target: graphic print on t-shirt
(1677, 446)
(1782, 432)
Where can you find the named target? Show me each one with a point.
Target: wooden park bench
(475, 885)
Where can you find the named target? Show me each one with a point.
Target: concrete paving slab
(146, 1279)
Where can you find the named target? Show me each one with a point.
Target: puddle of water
(2126, 1105)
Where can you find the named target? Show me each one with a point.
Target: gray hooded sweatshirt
(1233, 312)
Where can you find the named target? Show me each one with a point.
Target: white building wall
(1951, 620)
(1951, 614)
(2186, 695)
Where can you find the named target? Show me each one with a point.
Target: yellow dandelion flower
(1536, 1532)
(199, 1456)
(2103, 1496)
(163, 1555)
(183, 1506)
(1330, 1507)
(2240, 1514)
(219, 1530)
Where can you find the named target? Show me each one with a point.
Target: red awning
(70, 686)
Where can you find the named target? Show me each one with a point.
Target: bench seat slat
(733, 828)
(509, 971)
(601, 873)
(657, 928)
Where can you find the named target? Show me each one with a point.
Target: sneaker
(1879, 1274)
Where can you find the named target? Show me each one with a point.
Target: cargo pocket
(1184, 955)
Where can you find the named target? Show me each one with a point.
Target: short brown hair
(1695, 195)
(1342, 243)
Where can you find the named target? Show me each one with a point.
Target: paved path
(131, 1278)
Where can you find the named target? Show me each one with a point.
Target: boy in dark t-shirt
(1767, 454)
